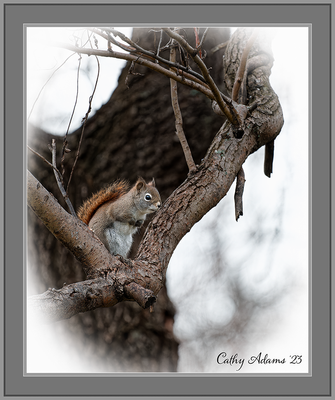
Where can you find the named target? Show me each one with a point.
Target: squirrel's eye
(148, 197)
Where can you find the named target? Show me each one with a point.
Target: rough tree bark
(131, 135)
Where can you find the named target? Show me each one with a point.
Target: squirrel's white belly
(120, 238)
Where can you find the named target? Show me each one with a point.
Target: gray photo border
(14, 383)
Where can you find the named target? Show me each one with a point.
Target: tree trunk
(132, 135)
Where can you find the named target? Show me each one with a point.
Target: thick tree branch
(224, 159)
(199, 193)
(64, 303)
(261, 98)
(121, 278)
(70, 231)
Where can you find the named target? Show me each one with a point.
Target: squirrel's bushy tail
(109, 193)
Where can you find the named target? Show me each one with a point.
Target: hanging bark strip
(268, 158)
(240, 180)
(241, 77)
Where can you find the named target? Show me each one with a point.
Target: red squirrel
(114, 213)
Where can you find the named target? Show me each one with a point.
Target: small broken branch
(144, 297)
(218, 47)
(240, 180)
(268, 158)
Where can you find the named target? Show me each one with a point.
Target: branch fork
(112, 279)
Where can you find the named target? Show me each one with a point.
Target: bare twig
(240, 180)
(242, 68)
(197, 41)
(203, 88)
(46, 161)
(159, 43)
(59, 179)
(73, 110)
(113, 40)
(179, 119)
(218, 47)
(84, 124)
(58, 175)
(135, 48)
(190, 77)
(180, 76)
(226, 107)
(203, 37)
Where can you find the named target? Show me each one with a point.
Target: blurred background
(235, 287)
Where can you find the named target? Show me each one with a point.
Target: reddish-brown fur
(108, 194)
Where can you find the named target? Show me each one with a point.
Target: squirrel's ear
(140, 183)
(152, 183)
